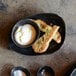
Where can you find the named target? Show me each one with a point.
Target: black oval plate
(48, 18)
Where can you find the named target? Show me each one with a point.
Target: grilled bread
(46, 28)
(42, 43)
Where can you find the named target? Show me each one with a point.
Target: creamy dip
(25, 34)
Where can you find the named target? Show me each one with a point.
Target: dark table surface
(12, 11)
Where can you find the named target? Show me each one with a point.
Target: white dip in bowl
(25, 35)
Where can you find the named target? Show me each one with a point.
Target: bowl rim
(20, 68)
(49, 69)
(27, 21)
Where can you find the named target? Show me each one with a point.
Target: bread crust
(42, 43)
(45, 28)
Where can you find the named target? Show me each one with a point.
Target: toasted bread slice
(42, 43)
(40, 48)
(46, 28)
